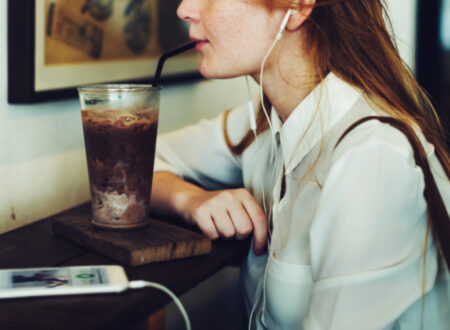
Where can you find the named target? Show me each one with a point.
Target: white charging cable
(145, 284)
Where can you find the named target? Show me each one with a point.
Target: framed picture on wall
(56, 45)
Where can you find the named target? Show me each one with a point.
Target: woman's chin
(209, 73)
(206, 72)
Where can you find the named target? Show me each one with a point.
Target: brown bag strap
(437, 213)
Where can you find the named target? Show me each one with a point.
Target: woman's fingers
(241, 221)
(259, 222)
(224, 225)
(231, 213)
(235, 222)
(205, 223)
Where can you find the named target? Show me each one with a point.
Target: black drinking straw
(165, 57)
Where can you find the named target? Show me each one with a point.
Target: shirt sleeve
(198, 153)
(368, 236)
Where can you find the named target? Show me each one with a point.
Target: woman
(345, 217)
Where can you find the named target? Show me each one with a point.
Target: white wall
(403, 18)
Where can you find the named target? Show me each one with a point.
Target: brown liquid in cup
(120, 151)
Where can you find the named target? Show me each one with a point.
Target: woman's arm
(219, 213)
(216, 203)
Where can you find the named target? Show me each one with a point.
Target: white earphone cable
(274, 153)
(261, 75)
(251, 109)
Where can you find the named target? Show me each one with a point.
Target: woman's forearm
(170, 194)
(227, 213)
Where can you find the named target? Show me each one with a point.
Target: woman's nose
(188, 10)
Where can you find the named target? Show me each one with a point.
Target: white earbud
(284, 23)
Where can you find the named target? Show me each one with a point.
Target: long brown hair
(350, 38)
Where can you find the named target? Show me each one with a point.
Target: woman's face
(232, 36)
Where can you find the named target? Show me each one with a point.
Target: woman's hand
(225, 213)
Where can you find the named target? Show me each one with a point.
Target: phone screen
(49, 278)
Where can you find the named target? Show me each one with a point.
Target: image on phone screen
(53, 278)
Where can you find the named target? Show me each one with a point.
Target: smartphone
(29, 282)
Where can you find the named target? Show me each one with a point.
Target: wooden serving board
(159, 241)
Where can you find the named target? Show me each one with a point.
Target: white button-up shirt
(348, 236)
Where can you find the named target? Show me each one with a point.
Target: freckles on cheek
(235, 38)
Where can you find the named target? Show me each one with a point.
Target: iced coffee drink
(120, 151)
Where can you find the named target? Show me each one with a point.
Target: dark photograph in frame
(56, 45)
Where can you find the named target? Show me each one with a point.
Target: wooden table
(35, 245)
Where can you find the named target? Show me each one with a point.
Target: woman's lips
(199, 44)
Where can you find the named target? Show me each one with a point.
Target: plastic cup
(120, 124)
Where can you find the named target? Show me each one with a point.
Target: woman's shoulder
(378, 134)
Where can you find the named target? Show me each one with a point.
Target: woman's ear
(298, 17)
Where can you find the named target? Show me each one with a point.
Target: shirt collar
(312, 118)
